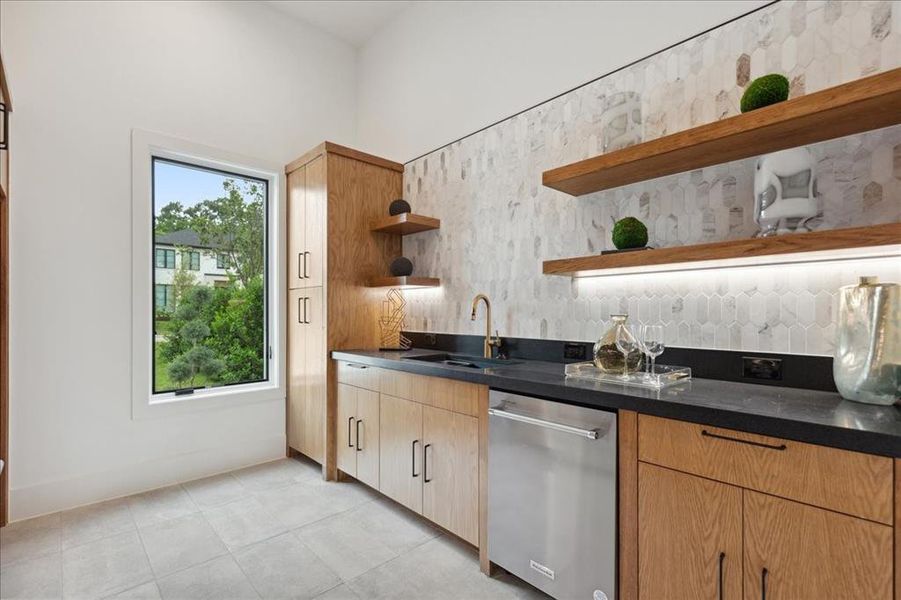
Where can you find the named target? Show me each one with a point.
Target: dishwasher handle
(591, 434)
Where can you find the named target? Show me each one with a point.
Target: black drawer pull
(359, 421)
(415, 474)
(717, 436)
(350, 421)
(763, 575)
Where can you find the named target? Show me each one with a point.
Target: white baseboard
(53, 496)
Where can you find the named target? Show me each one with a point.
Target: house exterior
(184, 249)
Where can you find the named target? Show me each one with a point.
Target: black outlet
(755, 367)
(431, 339)
(574, 351)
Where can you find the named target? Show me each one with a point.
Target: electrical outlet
(767, 369)
(574, 351)
(431, 339)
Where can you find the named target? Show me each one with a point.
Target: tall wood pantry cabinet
(333, 194)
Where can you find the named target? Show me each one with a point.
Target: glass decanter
(607, 356)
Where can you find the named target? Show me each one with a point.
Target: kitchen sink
(464, 360)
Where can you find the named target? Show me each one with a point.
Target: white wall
(442, 70)
(83, 74)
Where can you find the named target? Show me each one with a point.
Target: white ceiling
(353, 21)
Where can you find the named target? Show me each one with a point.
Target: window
(221, 261)
(204, 341)
(165, 259)
(215, 336)
(163, 298)
(191, 260)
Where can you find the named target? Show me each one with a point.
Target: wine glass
(627, 343)
(652, 345)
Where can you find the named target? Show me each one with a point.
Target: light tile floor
(270, 531)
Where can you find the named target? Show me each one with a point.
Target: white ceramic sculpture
(784, 192)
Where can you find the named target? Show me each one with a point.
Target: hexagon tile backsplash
(498, 223)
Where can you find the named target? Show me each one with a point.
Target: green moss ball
(764, 91)
(630, 233)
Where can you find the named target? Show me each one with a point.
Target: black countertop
(796, 414)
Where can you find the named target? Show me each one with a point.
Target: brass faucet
(490, 342)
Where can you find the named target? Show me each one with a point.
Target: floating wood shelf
(404, 282)
(854, 242)
(404, 224)
(869, 103)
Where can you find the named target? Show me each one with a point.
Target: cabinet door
(400, 451)
(313, 444)
(315, 222)
(369, 436)
(689, 537)
(450, 484)
(296, 201)
(296, 376)
(347, 417)
(798, 552)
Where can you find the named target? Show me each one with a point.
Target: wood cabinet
(358, 434)
(805, 553)
(850, 482)
(727, 514)
(296, 183)
(333, 194)
(450, 471)
(431, 443)
(306, 220)
(306, 372)
(401, 451)
(689, 536)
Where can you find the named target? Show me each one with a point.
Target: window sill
(164, 405)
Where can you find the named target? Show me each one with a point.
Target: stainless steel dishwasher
(552, 495)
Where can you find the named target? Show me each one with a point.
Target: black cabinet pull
(306, 319)
(425, 463)
(415, 474)
(359, 449)
(300, 258)
(763, 575)
(350, 420)
(305, 255)
(720, 581)
(717, 436)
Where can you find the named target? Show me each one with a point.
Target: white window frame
(145, 146)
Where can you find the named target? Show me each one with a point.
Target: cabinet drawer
(357, 375)
(449, 394)
(848, 482)
(402, 385)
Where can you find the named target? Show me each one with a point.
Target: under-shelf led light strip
(819, 256)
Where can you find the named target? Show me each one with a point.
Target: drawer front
(357, 375)
(452, 395)
(402, 385)
(449, 394)
(848, 482)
